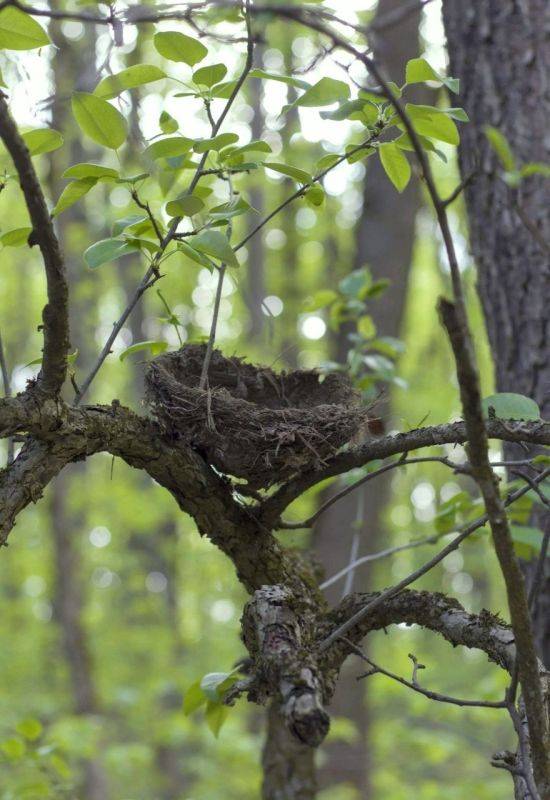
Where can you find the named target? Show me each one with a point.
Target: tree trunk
(388, 256)
(66, 525)
(288, 766)
(501, 53)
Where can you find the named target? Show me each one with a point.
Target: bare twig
(414, 685)
(221, 274)
(459, 189)
(147, 208)
(524, 749)
(390, 551)
(362, 613)
(400, 462)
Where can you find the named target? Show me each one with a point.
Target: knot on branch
(275, 631)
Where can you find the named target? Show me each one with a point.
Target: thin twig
(223, 266)
(413, 576)
(376, 556)
(150, 276)
(400, 462)
(441, 698)
(524, 750)
(459, 189)
(147, 208)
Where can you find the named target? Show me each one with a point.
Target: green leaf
(321, 299)
(217, 143)
(30, 729)
(155, 348)
(19, 31)
(130, 78)
(418, 70)
(133, 179)
(90, 171)
(215, 684)
(99, 120)
(216, 714)
(193, 698)
(535, 168)
(208, 76)
(177, 46)
(353, 154)
(170, 147)
(232, 209)
(432, 122)
(72, 193)
(167, 124)
(42, 140)
(13, 748)
(106, 250)
(527, 540)
(456, 113)
(223, 90)
(395, 164)
(184, 206)
(353, 283)
(366, 327)
(325, 162)
(315, 195)
(16, 237)
(272, 76)
(193, 254)
(215, 244)
(498, 142)
(404, 142)
(125, 222)
(324, 93)
(508, 405)
(351, 109)
(299, 175)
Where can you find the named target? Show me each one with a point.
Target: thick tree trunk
(500, 50)
(388, 256)
(288, 766)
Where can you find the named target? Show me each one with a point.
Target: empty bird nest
(249, 421)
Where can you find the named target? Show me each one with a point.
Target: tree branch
(386, 446)
(478, 452)
(431, 610)
(363, 613)
(55, 313)
(415, 686)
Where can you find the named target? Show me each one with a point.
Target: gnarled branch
(55, 313)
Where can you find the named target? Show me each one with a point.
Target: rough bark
(288, 765)
(501, 53)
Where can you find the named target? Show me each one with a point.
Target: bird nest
(249, 421)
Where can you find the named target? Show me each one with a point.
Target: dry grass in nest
(251, 422)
